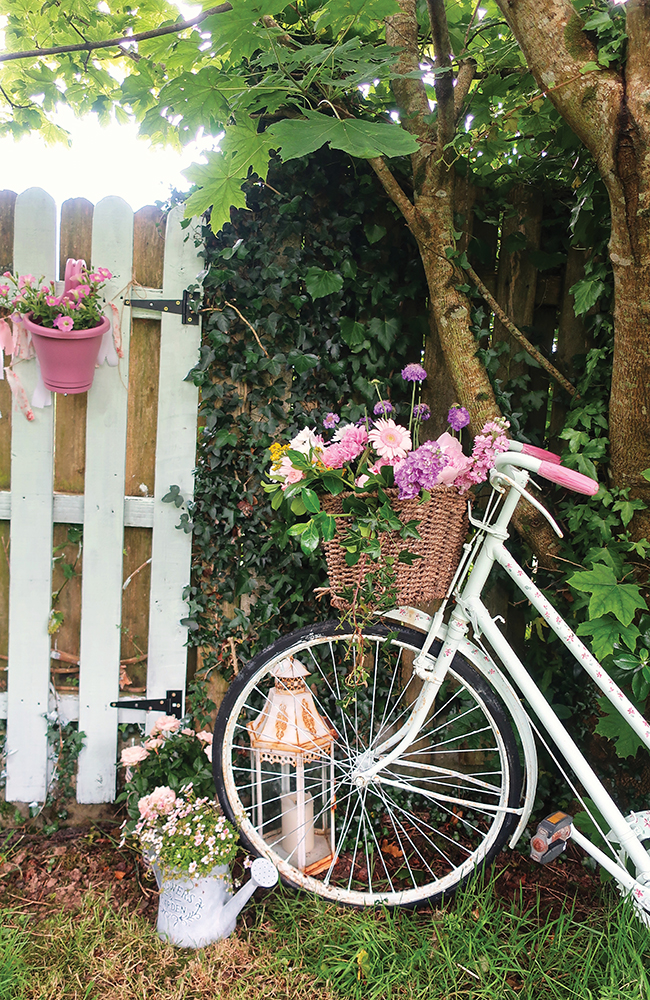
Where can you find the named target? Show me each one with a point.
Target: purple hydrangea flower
(421, 411)
(458, 417)
(330, 421)
(419, 470)
(414, 373)
(383, 407)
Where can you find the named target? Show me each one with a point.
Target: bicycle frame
(470, 610)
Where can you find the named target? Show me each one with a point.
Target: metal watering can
(193, 913)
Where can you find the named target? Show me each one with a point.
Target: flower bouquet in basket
(390, 511)
(172, 756)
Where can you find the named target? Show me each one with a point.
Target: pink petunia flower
(390, 440)
(64, 323)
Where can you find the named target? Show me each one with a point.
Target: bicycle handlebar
(530, 449)
(549, 470)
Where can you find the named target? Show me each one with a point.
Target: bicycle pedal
(551, 837)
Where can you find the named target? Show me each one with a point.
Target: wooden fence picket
(68, 466)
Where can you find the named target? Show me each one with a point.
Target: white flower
(305, 441)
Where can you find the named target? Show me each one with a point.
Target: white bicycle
(398, 788)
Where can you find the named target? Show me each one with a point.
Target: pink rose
(159, 803)
(205, 736)
(457, 463)
(133, 755)
(154, 744)
(165, 724)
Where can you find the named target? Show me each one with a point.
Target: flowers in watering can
(79, 307)
(183, 833)
(174, 756)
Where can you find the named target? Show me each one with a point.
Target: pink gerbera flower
(390, 440)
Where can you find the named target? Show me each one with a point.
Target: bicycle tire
(429, 820)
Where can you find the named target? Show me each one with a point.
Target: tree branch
(557, 49)
(517, 334)
(444, 82)
(394, 191)
(465, 76)
(121, 40)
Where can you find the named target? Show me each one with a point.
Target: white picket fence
(33, 508)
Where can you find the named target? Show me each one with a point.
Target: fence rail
(102, 460)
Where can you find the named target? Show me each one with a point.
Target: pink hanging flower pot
(67, 357)
(66, 329)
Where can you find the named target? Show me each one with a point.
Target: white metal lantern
(290, 732)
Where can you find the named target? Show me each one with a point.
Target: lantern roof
(289, 724)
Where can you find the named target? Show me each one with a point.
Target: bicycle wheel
(423, 824)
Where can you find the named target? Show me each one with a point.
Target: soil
(40, 873)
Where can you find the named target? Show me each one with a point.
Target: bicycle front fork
(432, 673)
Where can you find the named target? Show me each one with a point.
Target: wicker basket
(443, 528)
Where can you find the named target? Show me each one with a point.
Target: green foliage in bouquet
(173, 756)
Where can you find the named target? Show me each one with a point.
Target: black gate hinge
(171, 705)
(187, 306)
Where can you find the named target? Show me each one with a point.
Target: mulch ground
(40, 873)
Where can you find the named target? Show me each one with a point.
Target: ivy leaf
(354, 334)
(302, 362)
(333, 485)
(627, 509)
(374, 233)
(299, 136)
(614, 727)
(385, 330)
(320, 283)
(607, 594)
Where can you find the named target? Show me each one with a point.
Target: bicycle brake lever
(501, 477)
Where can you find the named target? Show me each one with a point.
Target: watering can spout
(263, 875)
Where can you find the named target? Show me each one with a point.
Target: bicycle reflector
(551, 837)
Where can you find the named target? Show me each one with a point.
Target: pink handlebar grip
(567, 477)
(546, 456)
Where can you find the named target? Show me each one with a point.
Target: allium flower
(390, 440)
(421, 411)
(383, 407)
(458, 417)
(133, 755)
(414, 373)
(330, 421)
(420, 470)
(64, 323)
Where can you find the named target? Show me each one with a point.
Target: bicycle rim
(424, 824)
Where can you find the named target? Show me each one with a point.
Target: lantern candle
(297, 829)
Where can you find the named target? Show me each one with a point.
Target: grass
(13, 942)
(290, 947)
